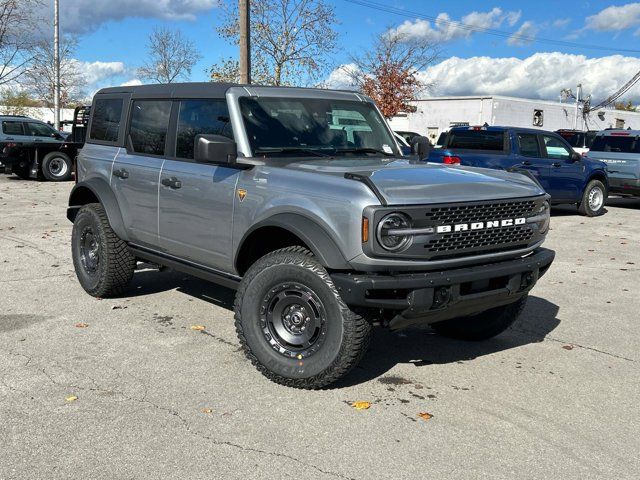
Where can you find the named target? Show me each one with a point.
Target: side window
(12, 128)
(106, 120)
(556, 148)
(197, 117)
(40, 130)
(149, 125)
(529, 146)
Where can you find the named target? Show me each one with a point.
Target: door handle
(172, 182)
(526, 162)
(121, 173)
(556, 164)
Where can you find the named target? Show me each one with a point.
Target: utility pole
(245, 42)
(578, 99)
(56, 63)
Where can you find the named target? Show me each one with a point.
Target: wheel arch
(285, 230)
(598, 175)
(96, 190)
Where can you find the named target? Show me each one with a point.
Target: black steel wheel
(292, 323)
(103, 263)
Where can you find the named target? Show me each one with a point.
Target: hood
(404, 182)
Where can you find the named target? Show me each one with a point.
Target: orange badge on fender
(242, 193)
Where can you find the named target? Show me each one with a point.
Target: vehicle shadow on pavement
(418, 346)
(632, 203)
(421, 347)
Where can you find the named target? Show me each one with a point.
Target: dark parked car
(580, 141)
(563, 173)
(50, 155)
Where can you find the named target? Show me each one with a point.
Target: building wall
(435, 115)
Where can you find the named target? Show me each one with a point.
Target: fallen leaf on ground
(425, 416)
(82, 325)
(72, 398)
(207, 410)
(568, 347)
(361, 405)
(198, 327)
(117, 307)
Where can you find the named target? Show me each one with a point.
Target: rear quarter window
(616, 144)
(12, 128)
(476, 140)
(105, 124)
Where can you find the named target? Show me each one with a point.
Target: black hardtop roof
(191, 89)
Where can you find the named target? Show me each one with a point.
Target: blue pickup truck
(564, 174)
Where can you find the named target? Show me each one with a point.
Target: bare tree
(40, 78)
(388, 73)
(18, 32)
(291, 41)
(171, 57)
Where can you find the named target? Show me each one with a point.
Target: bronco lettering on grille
(461, 227)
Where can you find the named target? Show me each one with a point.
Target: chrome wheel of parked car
(596, 198)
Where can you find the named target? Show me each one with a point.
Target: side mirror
(575, 157)
(421, 147)
(215, 149)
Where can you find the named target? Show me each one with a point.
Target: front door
(136, 170)
(566, 174)
(196, 199)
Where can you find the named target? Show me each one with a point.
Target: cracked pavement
(555, 396)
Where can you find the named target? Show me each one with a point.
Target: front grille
(481, 212)
(495, 239)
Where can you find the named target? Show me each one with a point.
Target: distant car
(620, 151)
(408, 136)
(580, 141)
(405, 147)
(16, 132)
(563, 173)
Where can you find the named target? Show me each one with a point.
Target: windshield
(305, 127)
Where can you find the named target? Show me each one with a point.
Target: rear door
(531, 157)
(196, 199)
(136, 169)
(621, 152)
(566, 176)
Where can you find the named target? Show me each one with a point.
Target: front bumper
(435, 296)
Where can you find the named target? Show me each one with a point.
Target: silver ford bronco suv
(301, 200)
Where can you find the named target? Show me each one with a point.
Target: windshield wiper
(290, 150)
(364, 150)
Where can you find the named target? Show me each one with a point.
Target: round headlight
(393, 242)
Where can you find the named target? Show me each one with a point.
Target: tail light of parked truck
(451, 160)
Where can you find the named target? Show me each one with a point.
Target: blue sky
(113, 35)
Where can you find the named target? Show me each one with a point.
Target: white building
(436, 115)
(40, 113)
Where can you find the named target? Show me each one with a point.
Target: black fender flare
(313, 235)
(103, 192)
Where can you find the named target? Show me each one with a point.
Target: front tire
(103, 263)
(292, 324)
(57, 167)
(593, 199)
(482, 326)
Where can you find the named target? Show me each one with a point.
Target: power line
(615, 96)
(490, 31)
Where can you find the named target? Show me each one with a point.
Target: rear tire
(21, 171)
(292, 324)
(593, 199)
(482, 326)
(57, 167)
(103, 263)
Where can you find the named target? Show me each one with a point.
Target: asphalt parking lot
(125, 388)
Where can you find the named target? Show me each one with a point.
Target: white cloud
(340, 78)
(132, 82)
(560, 22)
(97, 72)
(444, 29)
(541, 75)
(615, 18)
(524, 35)
(81, 16)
